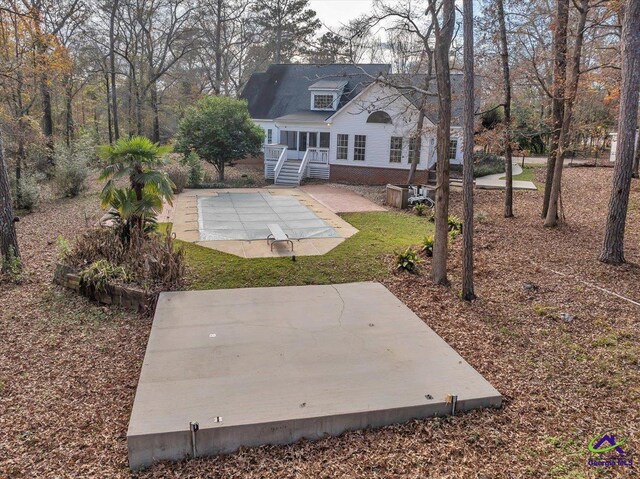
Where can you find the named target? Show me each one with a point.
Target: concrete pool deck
(261, 366)
(185, 218)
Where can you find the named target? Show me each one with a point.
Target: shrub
(154, 264)
(427, 245)
(64, 248)
(408, 260)
(455, 223)
(11, 267)
(101, 273)
(71, 171)
(193, 163)
(29, 196)
(420, 209)
(486, 164)
(179, 176)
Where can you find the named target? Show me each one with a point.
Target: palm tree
(139, 159)
(134, 209)
(127, 213)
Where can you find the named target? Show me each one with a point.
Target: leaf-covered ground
(68, 368)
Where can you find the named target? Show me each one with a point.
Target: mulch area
(68, 367)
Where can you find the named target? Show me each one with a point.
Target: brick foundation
(364, 175)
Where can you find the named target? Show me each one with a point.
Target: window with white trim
(322, 101)
(453, 149)
(343, 147)
(269, 136)
(413, 150)
(395, 149)
(359, 147)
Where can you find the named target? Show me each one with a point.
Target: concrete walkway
(497, 181)
(340, 200)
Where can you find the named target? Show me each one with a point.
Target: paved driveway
(340, 200)
(497, 181)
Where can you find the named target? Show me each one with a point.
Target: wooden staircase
(288, 175)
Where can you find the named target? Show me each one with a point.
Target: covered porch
(289, 167)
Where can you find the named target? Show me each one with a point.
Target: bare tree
(559, 82)
(112, 67)
(613, 245)
(570, 92)
(506, 86)
(468, 293)
(443, 36)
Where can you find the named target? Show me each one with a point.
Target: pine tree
(286, 25)
(613, 246)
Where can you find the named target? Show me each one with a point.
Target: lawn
(359, 258)
(528, 173)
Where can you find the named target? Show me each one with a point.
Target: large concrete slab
(273, 365)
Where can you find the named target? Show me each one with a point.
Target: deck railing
(273, 152)
(281, 160)
(318, 155)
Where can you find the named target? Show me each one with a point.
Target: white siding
(352, 120)
(269, 125)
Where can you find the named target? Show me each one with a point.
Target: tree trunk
(418, 147)
(613, 246)
(220, 168)
(8, 237)
(636, 157)
(278, 52)
(218, 78)
(506, 80)
(138, 111)
(570, 94)
(112, 69)
(444, 35)
(22, 154)
(557, 103)
(109, 124)
(153, 93)
(468, 293)
(47, 117)
(68, 111)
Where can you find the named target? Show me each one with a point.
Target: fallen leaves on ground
(69, 367)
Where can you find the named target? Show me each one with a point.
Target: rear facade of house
(343, 123)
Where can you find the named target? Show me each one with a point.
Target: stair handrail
(281, 161)
(304, 163)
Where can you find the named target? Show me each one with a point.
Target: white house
(337, 122)
(614, 145)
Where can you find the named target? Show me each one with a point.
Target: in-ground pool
(245, 216)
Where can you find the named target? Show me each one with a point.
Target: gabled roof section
(284, 89)
(416, 98)
(333, 85)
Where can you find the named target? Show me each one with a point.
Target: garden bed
(119, 295)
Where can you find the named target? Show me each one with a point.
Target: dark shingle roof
(284, 89)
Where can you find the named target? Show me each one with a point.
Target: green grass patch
(528, 174)
(359, 258)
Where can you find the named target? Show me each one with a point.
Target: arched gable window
(379, 117)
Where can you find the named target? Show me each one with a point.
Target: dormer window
(323, 101)
(325, 94)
